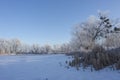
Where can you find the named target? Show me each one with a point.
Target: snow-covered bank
(47, 67)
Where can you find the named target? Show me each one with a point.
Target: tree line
(15, 46)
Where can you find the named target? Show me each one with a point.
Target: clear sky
(48, 21)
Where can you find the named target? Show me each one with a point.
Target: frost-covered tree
(88, 34)
(35, 48)
(47, 49)
(112, 41)
(24, 48)
(9, 46)
(56, 48)
(65, 48)
(15, 45)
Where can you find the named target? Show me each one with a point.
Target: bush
(98, 59)
(118, 65)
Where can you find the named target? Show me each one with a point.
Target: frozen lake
(47, 67)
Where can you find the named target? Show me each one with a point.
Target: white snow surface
(48, 67)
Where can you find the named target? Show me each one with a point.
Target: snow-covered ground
(47, 67)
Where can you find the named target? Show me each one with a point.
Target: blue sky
(48, 21)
